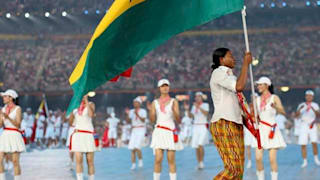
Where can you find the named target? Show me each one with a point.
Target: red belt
(17, 130)
(273, 128)
(77, 131)
(138, 126)
(175, 133)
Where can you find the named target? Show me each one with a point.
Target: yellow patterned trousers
(228, 138)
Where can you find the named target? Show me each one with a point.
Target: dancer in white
(57, 127)
(186, 129)
(82, 140)
(40, 129)
(29, 120)
(112, 123)
(165, 112)
(307, 113)
(200, 133)
(50, 136)
(72, 125)
(271, 139)
(137, 117)
(248, 139)
(65, 128)
(125, 132)
(11, 141)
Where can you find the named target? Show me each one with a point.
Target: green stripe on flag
(139, 30)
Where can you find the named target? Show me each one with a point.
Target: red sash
(248, 120)
(78, 131)
(273, 128)
(175, 132)
(17, 130)
(312, 124)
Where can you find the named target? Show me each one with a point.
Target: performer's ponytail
(271, 89)
(217, 54)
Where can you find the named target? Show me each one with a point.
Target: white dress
(57, 126)
(29, 123)
(11, 141)
(80, 141)
(64, 132)
(113, 124)
(70, 131)
(125, 135)
(40, 127)
(200, 133)
(268, 114)
(248, 137)
(50, 128)
(138, 129)
(186, 131)
(163, 138)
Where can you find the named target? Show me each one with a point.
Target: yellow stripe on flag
(117, 9)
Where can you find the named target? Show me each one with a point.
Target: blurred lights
(285, 88)
(273, 5)
(284, 4)
(318, 3)
(8, 15)
(262, 5)
(97, 12)
(308, 3)
(47, 14)
(255, 62)
(26, 15)
(64, 13)
(86, 12)
(91, 94)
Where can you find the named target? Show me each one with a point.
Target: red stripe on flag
(126, 73)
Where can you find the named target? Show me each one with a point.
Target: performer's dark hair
(16, 101)
(271, 89)
(217, 54)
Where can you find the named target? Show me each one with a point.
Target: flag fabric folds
(132, 28)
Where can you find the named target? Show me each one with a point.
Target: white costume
(138, 129)
(113, 124)
(50, 127)
(125, 129)
(163, 134)
(64, 132)
(297, 126)
(40, 127)
(186, 131)
(268, 115)
(200, 134)
(70, 131)
(248, 137)
(29, 120)
(11, 139)
(83, 141)
(307, 117)
(57, 126)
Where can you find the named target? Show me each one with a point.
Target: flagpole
(245, 30)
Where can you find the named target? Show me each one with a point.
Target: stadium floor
(115, 164)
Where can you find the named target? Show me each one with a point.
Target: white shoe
(140, 164)
(201, 165)
(316, 160)
(260, 175)
(304, 164)
(133, 166)
(249, 164)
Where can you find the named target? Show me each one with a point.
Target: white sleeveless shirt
(165, 119)
(268, 114)
(84, 121)
(12, 115)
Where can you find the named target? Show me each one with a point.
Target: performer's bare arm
(71, 119)
(91, 108)
(176, 111)
(152, 112)
(242, 79)
(315, 111)
(278, 105)
(298, 113)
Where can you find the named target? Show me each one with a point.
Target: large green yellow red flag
(132, 28)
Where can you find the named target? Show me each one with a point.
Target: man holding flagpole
(226, 123)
